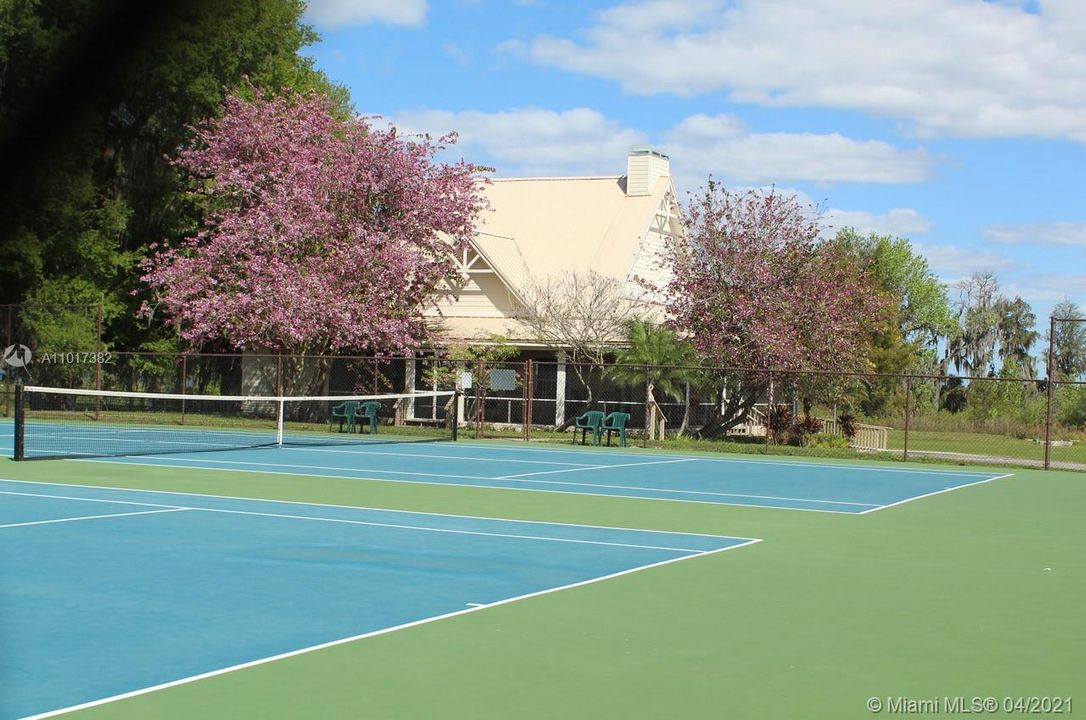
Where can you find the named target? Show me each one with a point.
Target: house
(538, 228)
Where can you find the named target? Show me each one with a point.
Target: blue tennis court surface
(730, 480)
(842, 488)
(107, 592)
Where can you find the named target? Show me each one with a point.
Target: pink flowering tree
(322, 234)
(752, 287)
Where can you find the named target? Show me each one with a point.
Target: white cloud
(897, 222)
(532, 141)
(338, 13)
(951, 262)
(456, 53)
(1071, 234)
(1049, 289)
(951, 67)
(720, 145)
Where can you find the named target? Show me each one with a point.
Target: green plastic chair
(367, 415)
(616, 422)
(591, 420)
(346, 412)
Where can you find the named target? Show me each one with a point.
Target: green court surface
(973, 592)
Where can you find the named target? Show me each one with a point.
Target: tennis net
(67, 423)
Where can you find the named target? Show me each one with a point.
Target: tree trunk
(734, 412)
(585, 405)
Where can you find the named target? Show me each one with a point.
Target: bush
(825, 440)
(803, 428)
(778, 422)
(849, 425)
(1070, 407)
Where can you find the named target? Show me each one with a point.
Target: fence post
(768, 412)
(526, 404)
(480, 398)
(649, 424)
(98, 364)
(7, 382)
(1049, 384)
(184, 383)
(908, 413)
(455, 413)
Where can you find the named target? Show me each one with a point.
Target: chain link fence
(46, 344)
(984, 420)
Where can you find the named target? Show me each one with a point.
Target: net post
(20, 424)
(279, 407)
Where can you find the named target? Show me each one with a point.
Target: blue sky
(958, 124)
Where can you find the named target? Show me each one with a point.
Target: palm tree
(656, 357)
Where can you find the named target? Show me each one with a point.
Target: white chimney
(644, 167)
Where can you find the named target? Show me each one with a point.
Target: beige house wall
(617, 226)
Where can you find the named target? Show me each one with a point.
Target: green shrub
(849, 424)
(825, 440)
(779, 421)
(803, 429)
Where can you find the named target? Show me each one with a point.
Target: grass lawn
(972, 592)
(967, 443)
(983, 444)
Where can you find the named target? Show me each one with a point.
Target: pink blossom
(753, 287)
(322, 235)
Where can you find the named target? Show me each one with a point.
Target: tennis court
(162, 580)
(633, 474)
(175, 586)
(614, 472)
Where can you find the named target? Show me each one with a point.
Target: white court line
(706, 493)
(93, 517)
(115, 431)
(375, 633)
(782, 463)
(341, 468)
(436, 457)
(592, 467)
(694, 492)
(397, 526)
(84, 499)
(453, 484)
(571, 484)
(345, 507)
(937, 492)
